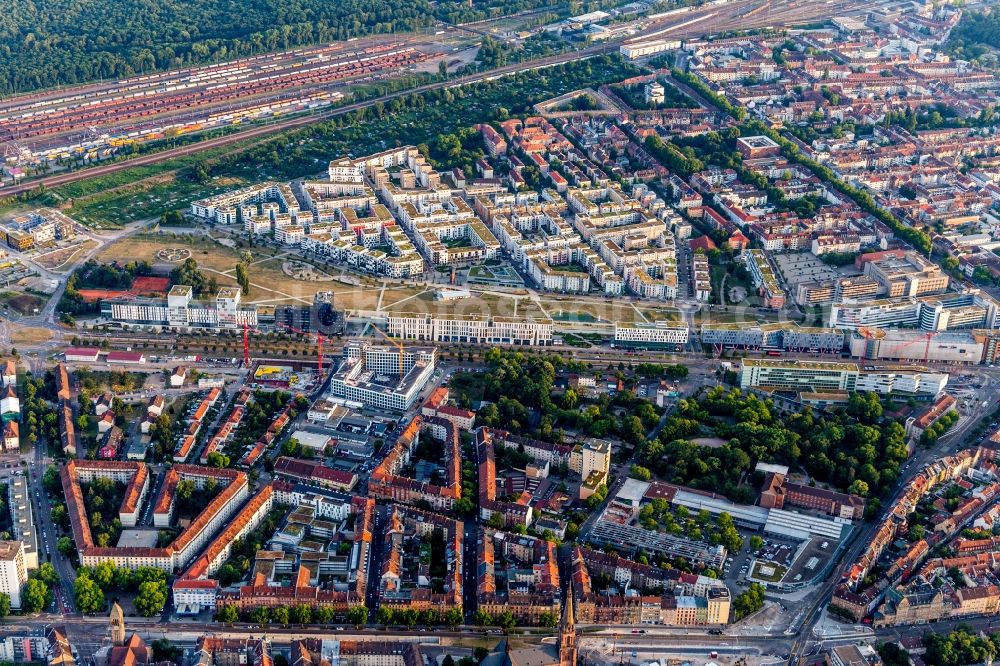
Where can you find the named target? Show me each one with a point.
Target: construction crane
(319, 345)
(926, 338)
(246, 344)
(396, 344)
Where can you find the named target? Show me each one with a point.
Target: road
(951, 441)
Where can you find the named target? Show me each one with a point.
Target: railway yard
(93, 121)
(87, 120)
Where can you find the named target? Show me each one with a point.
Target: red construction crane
(319, 345)
(926, 338)
(246, 344)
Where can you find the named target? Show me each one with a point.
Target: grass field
(141, 200)
(776, 573)
(29, 336)
(271, 286)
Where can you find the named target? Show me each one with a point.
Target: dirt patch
(710, 442)
(59, 258)
(29, 336)
(298, 270)
(24, 304)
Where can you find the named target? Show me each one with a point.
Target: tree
(280, 615)
(453, 617)
(89, 597)
(228, 574)
(756, 543)
(384, 615)
(104, 575)
(548, 620)
(858, 487)
(260, 615)
(407, 616)
(301, 614)
(229, 614)
(505, 620)
(217, 460)
(748, 602)
(243, 277)
(639, 472)
(164, 650)
(51, 480)
(4, 604)
(496, 521)
(893, 655)
(151, 599)
(35, 596)
(59, 514)
(357, 615)
(47, 574)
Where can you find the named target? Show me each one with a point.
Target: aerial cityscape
(340, 333)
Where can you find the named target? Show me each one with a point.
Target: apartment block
(182, 311)
(658, 335)
(474, 329)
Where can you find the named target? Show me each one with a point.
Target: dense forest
(975, 34)
(45, 43)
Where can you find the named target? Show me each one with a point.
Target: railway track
(261, 131)
(783, 15)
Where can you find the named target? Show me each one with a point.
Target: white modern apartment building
(222, 208)
(659, 335)
(764, 278)
(779, 335)
(970, 308)
(181, 310)
(22, 520)
(476, 329)
(13, 572)
(591, 456)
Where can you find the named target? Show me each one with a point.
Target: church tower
(117, 622)
(567, 633)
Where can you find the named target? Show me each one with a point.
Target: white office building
(383, 377)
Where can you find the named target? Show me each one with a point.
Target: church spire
(117, 623)
(567, 633)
